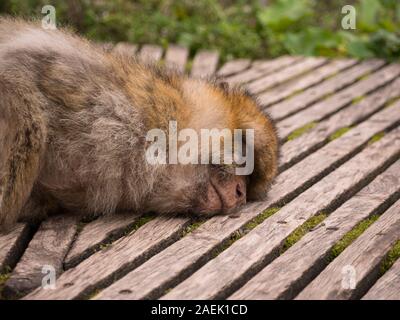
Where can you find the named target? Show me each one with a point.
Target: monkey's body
(73, 122)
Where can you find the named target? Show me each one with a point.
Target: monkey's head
(232, 117)
(235, 147)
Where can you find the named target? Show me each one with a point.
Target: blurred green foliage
(236, 28)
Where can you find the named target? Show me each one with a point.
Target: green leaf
(359, 49)
(283, 14)
(369, 10)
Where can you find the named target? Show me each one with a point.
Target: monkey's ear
(223, 85)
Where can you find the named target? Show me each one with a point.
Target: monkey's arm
(22, 140)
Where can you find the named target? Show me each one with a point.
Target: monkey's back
(94, 134)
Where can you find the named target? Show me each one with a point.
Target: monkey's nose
(241, 193)
(234, 194)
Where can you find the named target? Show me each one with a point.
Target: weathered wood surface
(363, 257)
(233, 66)
(294, 150)
(228, 271)
(97, 233)
(204, 64)
(12, 245)
(47, 248)
(125, 48)
(112, 262)
(176, 58)
(321, 171)
(306, 98)
(301, 83)
(288, 274)
(297, 69)
(262, 69)
(334, 103)
(150, 53)
(387, 287)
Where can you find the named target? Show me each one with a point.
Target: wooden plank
(285, 74)
(176, 58)
(330, 105)
(125, 48)
(233, 67)
(363, 256)
(47, 248)
(104, 46)
(150, 53)
(317, 76)
(337, 151)
(12, 246)
(295, 150)
(234, 266)
(163, 271)
(292, 271)
(204, 64)
(97, 233)
(113, 262)
(387, 287)
(262, 69)
(302, 100)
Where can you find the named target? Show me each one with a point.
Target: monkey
(73, 126)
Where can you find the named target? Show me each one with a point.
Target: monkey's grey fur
(73, 121)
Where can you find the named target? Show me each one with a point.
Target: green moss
(352, 235)
(357, 99)
(298, 132)
(3, 279)
(297, 234)
(249, 226)
(391, 258)
(376, 137)
(365, 76)
(142, 220)
(338, 133)
(188, 66)
(105, 246)
(93, 294)
(260, 218)
(193, 226)
(391, 102)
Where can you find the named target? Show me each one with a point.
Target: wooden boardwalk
(329, 229)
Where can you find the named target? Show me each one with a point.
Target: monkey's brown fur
(73, 121)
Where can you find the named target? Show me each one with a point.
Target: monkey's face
(244, 170)
(224, 192)
(200, 190)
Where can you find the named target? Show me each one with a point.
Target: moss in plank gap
(92, 295)
(301, 231)
(351, 236)
(357, 99)
(391, 102)
(328, 95)
(188, 66)
(142, 221)
(3, 279)
(247, 227)
(365, 76)
(298, 132)
(376, 138)
(193, 226)
(260, 218)
(390, 258)
(338, 133)
(332, 75)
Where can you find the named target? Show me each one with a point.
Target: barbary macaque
(74, 124)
